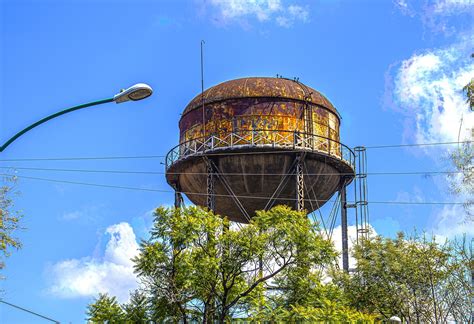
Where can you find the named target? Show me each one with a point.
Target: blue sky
(394, 70)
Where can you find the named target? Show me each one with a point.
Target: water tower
(253, 143)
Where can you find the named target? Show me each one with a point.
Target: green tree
(462, 158)
(195, 263)
(417, 279)
(469, 91)
(105, 309)
(462, 183)
(136, 310)
(9, 220)
(197, 266)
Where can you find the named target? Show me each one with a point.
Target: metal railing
(261, 138)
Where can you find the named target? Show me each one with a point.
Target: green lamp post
(134, 93)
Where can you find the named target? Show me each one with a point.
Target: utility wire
(213, 154)
(417, 144)
(224, 173)
(28, 311)
(220, 195)
(86, 158)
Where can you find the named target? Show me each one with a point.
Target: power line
(214, 154)
(85, 158)
(224, 173)
(220, 195)
(28, 311)
(416, 144)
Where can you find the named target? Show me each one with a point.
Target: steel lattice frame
(299, 184)
(211, 197)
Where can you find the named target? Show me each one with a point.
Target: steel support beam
(345, 242)
(211, 193)
(299, 184)
(178, 197)
(281, 186)
(225, 183)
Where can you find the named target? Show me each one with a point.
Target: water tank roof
(261, 87)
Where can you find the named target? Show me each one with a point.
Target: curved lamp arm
(44, 120)
(137, 92)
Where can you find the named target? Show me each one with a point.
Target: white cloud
(88, 276)
(427, 90)
(262, 10)
(439, 15)
(352, 237)
(291, 15)
(87, 213)
(71, 215)
(449, 7)
(450, 223)
(416, 196)
(404, 7)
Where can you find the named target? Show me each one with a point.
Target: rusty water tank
(253, 129)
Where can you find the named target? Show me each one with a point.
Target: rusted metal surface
(260, 87)
(251, 114)
(254, 176)
(275, 139)
(259, 103)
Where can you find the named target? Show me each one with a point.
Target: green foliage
(462, 183)
(327, 312)
(195, 261)
(105, 308)
(469, 91)
(463, 161)
(412, 278)
(9, 220)
(136, 311)
(196, 266)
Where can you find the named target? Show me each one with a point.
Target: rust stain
(260, 87)
(263, 104)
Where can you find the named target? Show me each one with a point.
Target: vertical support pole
(178, 197)
(299, 184)
(471, 263)
(345, 245)
(211, 198)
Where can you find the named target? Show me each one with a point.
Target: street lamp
(136, 92)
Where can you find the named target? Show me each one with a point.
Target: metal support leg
(178, 197)
(345, 245)
(299, 185)
(211, 198)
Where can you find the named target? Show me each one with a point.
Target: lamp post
(136, 92)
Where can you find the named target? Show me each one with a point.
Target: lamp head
(136, 92)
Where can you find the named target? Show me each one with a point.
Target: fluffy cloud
(352, 236)
(88, 214)
(262, 10)
(451, 223)
(404, 7)
(427, 90)
(293, 14)
(112, 273)
(451, 7)
(437, 15)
